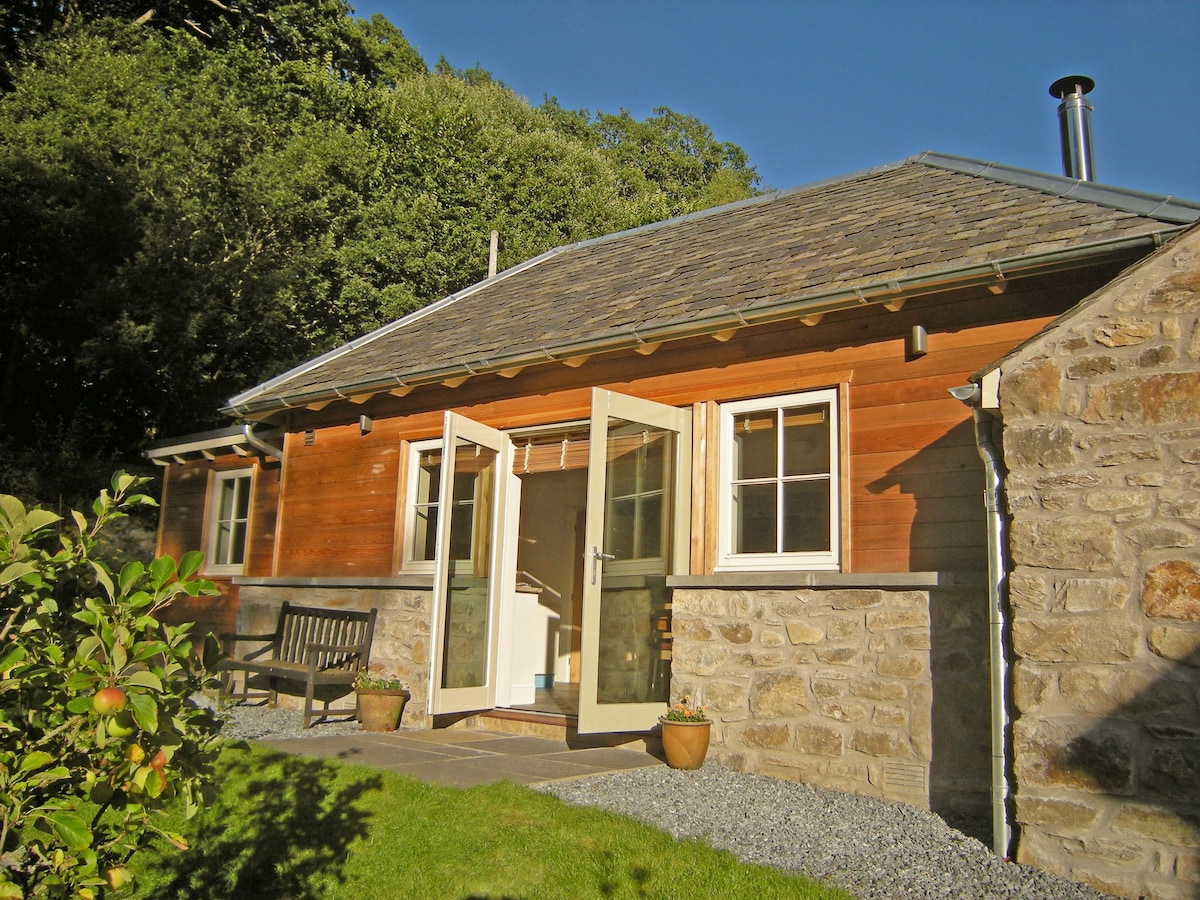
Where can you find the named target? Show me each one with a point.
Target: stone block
(1040, 445)
(744, 605)
(803, 633)
(1090, 594)
(1035, 388)
(891, 619)
(725, 695)
(899, 667)
(691, 629)
(779, 694)
(798, 606)
(1172, 770)
(1160, 536)
(1178, 293)
(870, 688)
(876, 742)
(693, 658)
(1176, 829)
(770, 638)
(1112, 501)
(1028, 590)
(915, 640)
(1076, 640)
(1071, 757)
(766, 736)
(843, 628)
(1164, 398)
(852, 599)
(1055, 813)
(1123, 331)
(1176, 644)
(766, 658)
(921, 730)
(1171, 590)
(838, 656)
(1063, 542)
(843, 711)
(736, 632)
(890, 717)
(819, 740)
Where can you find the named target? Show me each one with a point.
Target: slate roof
(926, 223)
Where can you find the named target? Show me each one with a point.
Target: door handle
(599, 556)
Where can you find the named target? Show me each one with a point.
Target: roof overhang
(237, 440)
(809, 308)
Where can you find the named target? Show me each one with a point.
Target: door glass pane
(465, 651)
(634, 657)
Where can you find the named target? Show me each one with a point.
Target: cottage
(715, 456)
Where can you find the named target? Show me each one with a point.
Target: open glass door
(476, 471)
(638, 504)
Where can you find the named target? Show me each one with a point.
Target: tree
(98, 732)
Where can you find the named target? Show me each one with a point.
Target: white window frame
(217, 485)
(415, 449)
(730, 561)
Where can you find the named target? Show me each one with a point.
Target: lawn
(299, 828)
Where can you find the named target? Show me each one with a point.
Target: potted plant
(685, 734)
(380, 699)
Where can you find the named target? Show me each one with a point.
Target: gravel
(874, 849)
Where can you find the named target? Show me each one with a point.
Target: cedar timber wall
(1102, 445)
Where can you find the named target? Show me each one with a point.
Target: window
(229, 521)
(424, 483)
(778, 504)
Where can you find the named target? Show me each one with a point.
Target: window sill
(419, 582)
(914, 580)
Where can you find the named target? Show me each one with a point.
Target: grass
(299, 828)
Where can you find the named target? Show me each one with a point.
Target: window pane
(651, 533)
(754, 446)
(424, 536)
(429, 476)
(237, 551)
(241, 497)
(621, 525)
(806, 516)
(754, 517)
(806, 441)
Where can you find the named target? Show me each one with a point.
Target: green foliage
(98, 734)
(683, 711)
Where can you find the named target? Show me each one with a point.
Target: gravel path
(874, 849)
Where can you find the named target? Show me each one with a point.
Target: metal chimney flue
(1075, 125)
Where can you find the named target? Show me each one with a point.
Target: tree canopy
(195, 196)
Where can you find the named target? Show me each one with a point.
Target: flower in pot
(380, 699)
(685, 734)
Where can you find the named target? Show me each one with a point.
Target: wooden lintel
(647, 349)
(725, 335)
(896, 304)
(456, 381)
(511, 373)
(576, 361)
(403, 391)
(812, 319)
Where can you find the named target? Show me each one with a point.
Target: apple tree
(98, 729)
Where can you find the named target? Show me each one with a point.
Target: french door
(638, 502)
(471, 563)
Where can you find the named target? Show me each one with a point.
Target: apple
(135, 754)
(121, 725)
(108, 701)
(117, 877)
(159, 762)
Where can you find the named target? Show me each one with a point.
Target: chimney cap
(1071, 84)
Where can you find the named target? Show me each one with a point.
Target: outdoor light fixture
(918, 344)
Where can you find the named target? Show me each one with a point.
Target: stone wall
(1101, 442)
(402, 629)
(871, 689)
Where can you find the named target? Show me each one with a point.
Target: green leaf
(70, 829)
(80, 705)
(34, 760)
(130, 574)
(89, 645)
(145, 679)
(190, 564)
(11, 657)
(102, 576)
(14, 571)
(162, 570)
(38, 519)
(145, 712)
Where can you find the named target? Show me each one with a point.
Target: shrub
(98, 731)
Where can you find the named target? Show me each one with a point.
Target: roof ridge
(1141, 203)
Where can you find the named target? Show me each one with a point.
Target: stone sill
(789, 580)
(415, 582)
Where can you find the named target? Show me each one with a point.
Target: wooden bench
(323, 649)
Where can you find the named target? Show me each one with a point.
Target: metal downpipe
(259, 444)
(997, 623)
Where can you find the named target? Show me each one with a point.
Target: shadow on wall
(948, 536)
(1141, 755)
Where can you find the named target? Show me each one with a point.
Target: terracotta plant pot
(381, 710)
(685, 743)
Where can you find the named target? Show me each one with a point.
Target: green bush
(98, 732)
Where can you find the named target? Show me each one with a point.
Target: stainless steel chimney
(1075, 125)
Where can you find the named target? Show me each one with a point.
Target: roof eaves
(976, 274)
(1152, 206)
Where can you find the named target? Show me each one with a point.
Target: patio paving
(465, 758)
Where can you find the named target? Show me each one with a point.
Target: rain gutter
(997, 578)
(990, 273)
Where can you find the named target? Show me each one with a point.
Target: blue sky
(812, 90)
